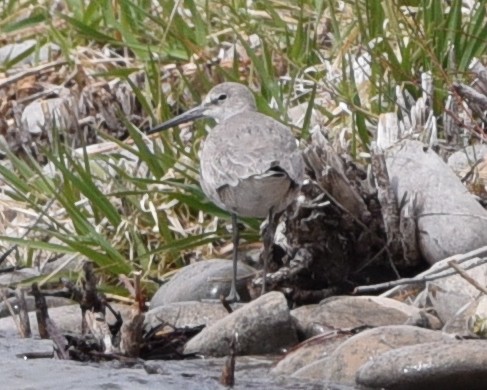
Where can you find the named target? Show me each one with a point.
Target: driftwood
(227, 377)
(335, 232)
(131, 333)
(330, 172)
(401, 241)
(41, 311)
(439, 270)
(24, 321)
(477, 101)
(466, 276)
(99, 328)
(90, 299)
(47, 327)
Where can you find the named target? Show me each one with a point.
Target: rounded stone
(185, 314)
(344, 312)
(357, 350)
(208, 279)
(439, 365)
(308, 352)
(261, 326)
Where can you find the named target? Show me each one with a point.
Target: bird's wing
(246, 145)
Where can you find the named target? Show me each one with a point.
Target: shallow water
(21, 374)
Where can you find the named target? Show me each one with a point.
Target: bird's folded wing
(252, 145)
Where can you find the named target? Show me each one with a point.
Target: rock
(60, 112)
(470, 320)
(11, 51)
(17, 276)
(307, 325)
(12, 347)
(457, 224)
(344, 362)
(353, 311)
(462, 161)
(470, 165)
(64, 263)
(204, 280)
(308, 353)
(66, 318)
(438, 365)
(450, 294)
(418, 292)
(30, 301)
(185, 314)
(313, 370)
(263, 326)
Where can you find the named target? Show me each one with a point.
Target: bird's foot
(233, 296)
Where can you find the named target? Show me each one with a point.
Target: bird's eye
(222, 97)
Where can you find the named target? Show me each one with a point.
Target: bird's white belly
(253, 196)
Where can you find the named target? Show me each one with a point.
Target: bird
(250, 163)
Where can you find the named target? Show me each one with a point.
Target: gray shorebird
(250, 163)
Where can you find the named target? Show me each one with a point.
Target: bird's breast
(239, 159)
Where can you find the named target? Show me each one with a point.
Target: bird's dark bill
(188, 116)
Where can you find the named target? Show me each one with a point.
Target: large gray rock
(66, 318)
(308, 353)
(353, 311)
(344, 362)
(206, 279)
(185, 314)
(439, 365)
(313, 370)
(457, 223)
(263, 326)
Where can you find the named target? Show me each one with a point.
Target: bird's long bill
(188, 116)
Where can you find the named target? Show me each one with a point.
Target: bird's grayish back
(250, 151)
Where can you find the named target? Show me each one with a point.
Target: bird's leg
(233, 296)
(269, 234)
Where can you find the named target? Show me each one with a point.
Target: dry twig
(428, 276)
(24, 321)
(467, 277)
(228, 373)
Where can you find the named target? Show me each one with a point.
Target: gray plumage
(250, 163)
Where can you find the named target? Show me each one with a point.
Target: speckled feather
(248, 147)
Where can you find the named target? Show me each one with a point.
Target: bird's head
(222, 102)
